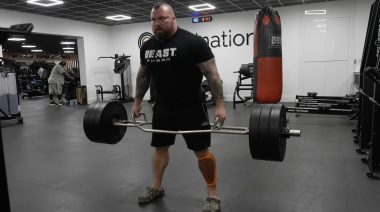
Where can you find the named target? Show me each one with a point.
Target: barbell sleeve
(296, 133)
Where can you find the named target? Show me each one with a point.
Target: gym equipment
(268, 56)
(122, 66)
(344, 102)
(81, 94)
(320, 109)
(4, 195)
(9, 99)
(246, 72)
(116, 92)
(335, 105)
(107, 122)
(368, 125)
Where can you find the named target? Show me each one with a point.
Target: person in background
(176, 60)
(40, 72)
(56, 81)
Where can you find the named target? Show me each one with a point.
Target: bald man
(177, 60)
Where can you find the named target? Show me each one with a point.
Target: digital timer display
(201, 19)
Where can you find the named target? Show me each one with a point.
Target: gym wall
(313, 60)
(299, 75)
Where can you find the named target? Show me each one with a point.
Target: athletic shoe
(151, 194)
(60, 102)
(53, 103)
(212, 205)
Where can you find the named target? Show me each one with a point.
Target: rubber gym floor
(51, 166)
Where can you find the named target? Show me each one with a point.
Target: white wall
(98, 40)
(93, 41)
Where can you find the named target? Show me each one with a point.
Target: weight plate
(254, 123)
(265, 132)
(263, 146)
(89, 122)
(276, 141)
(113, 111)
(98, 122)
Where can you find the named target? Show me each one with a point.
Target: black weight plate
(276, 141)
(112, 134)
(263, 145)
(89, 122)
(254, 136)
(96, 122)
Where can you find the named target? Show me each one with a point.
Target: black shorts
(185, 117)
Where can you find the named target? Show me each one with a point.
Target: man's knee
(161, 150)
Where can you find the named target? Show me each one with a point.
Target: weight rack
(333, 105)
(368, 126)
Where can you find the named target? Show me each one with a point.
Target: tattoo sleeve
(210, 71)
(142, 82)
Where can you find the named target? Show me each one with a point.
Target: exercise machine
(122, 66)
(9, 95)
(246, 73)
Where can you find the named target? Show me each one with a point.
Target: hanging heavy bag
(268, 56)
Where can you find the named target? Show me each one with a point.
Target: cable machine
(122, 66)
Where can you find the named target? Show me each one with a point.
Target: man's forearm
(142, 83)
(210, 71)
(216, 87)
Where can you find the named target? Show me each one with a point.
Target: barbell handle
(139, 124)
(217, 125)
(134, 118)
(222, 129)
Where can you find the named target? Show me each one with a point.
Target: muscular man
(177, 60)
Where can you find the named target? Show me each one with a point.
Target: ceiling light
(16, 39)
(67, 42)
(201, 7)
(118, 17)
(45, 3)
(315, 12)
(36, 50)
(68, 52)
(68, 48)
(321, 25)
(28, 46)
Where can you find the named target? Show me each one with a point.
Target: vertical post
(4, 195)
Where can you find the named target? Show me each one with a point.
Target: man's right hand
(136, 108)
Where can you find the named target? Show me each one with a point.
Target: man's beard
(162, 35)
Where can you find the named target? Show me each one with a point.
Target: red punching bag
(268, 56)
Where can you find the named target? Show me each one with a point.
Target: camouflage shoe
(212, 205)
(151, 194)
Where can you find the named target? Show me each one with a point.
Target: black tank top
(173, 69)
